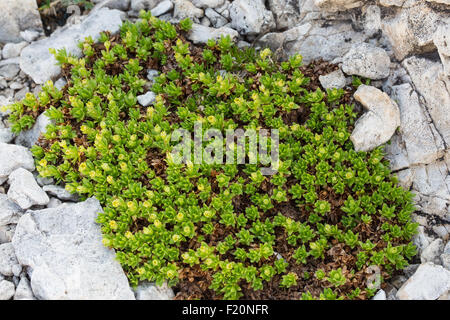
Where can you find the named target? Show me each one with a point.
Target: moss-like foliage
(321, 227)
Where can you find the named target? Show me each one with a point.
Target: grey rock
(441, 39)
(137, 5)
(43, 181)
(432, 252)
(9, 71)
(28, 138)
(60, 83)
(335, 79)
(36, 60)
(24, 190)
(6, 135)
(381, 295)
(53, 203)
(250, 17)
(286, 13)
(60, 193)
(422, 142)
(337, 5)
(445, 260)
(208, 3)
(367, 61)
(205, 22)
(14, 157)
(122, 5)
(12, 50)
(152, 75)
(147, 99)
(216, 19)
(429, 82)
(201, 34)
(7, 290)
(411, 31)
(421, 240)
(29, 35)
(440, 1)
(23, 290)
(149, 291)
(162, 8)
(17, 16)
(185, 9)
(390, 3)
(63, 247)
(6, 233)
(8, 260)
(428, 283)
(380, 121)
(9, 211)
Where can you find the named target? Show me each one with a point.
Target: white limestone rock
(24, 190)
(63, 247)
(380, 121)
(9, 211)
(36, 60)
(432, 252)
(335, 79)
(201, 34)
(338, 5)
(429, 82)
(149, 291)
(422, 142)
(185, 9)
(250, 17)
(17, 16)
(12, 50)
(28, 138)
(7, 290)
(162, 8)
(146, 99)
(441, 39)
(429, 282)
(8, 262)
(367, 61)
(12, 158)
(60, 192)
(23, 290)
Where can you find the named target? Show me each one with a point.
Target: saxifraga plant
(310, 231)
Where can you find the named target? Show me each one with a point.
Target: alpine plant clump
(330, 223)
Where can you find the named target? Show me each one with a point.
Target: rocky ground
(50, 246)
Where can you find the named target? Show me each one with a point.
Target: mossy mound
(323, 226)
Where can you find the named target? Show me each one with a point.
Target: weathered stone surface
(12, 50)
(123, 5)
(28, 138)
(6, 233)
(411, 31)
(12, 158)
(286, 12)
(440, 1)
(9, 211)
(8, 262)
(17, 16)
(36, 60)
(60, 193)
(335, 79)
(185, 9)
(63, 246)
(149, 291)
(162, 8)
(381, 295)
(24, 190)
(146, 99)
(428, 283)
(137, 5)
(428, 81)
(441, 40)
(337, 5)
(6, 135)
(367, 61)
(201, 34)
(23, 290)
(423, 144)
(380, 121)
(207, 3)
(432, 252)
(215, 18)
(250, 17)
(6, 290)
